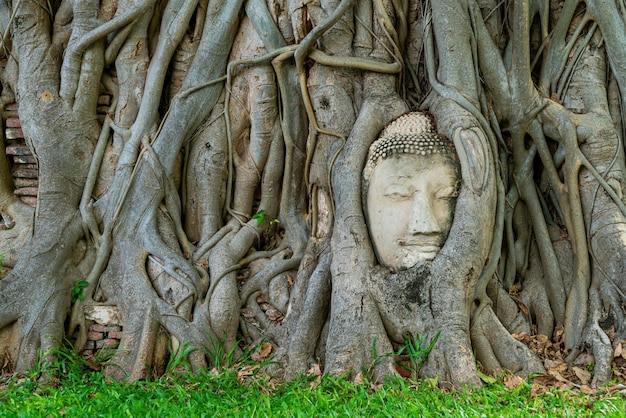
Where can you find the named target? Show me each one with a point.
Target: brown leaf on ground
(561, 381)
(557, 365)
(512, 381)
(266, 350)
(582, 374)
(315, 383)
(316, 370)
(537, 390)
(558, 332)
(545, 380)
(244, 372)
(93, 365)
(404, 368)
(524, 310)
(359, 378)
(522, 337)
(588, 390)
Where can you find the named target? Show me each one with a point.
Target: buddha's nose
(423, 220)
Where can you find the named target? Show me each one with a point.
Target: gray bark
(220, 202)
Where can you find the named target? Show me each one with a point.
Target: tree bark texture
(218, 204)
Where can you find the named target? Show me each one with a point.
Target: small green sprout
(77, 290)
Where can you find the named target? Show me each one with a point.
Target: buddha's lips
(424, 245)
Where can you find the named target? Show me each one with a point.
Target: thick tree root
(497, 350)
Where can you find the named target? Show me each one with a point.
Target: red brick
(29, 166)
(18, 149)
(117, 335)
(24, 159)
(26, 191)
(98, 328)
(13, 123)
(95, 336)
(26, 173)
(19, 182)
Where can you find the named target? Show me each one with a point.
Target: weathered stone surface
(104, 315)
(412, 176)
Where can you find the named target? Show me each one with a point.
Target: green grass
(239, 392)
(224, 395)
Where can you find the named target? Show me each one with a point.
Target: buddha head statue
(410, 184)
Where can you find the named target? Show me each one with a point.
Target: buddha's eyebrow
(395, 176)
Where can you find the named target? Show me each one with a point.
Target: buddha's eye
(397, 193)
(447, 192)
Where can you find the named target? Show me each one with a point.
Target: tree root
(496, 349)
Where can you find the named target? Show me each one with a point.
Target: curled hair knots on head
(411, 133)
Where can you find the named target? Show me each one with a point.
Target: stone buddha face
(411, 184)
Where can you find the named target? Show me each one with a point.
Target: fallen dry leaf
(512, 381)
(266, 350)
(315, 383)
(522, 337)
(582, 374)
(555, 365)
(537, 390)
(93, 365)
(560, 379)
(588, 390)
(524, 310)
(359, 378)
(404, 368)
(315, 370)
(244, 372)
